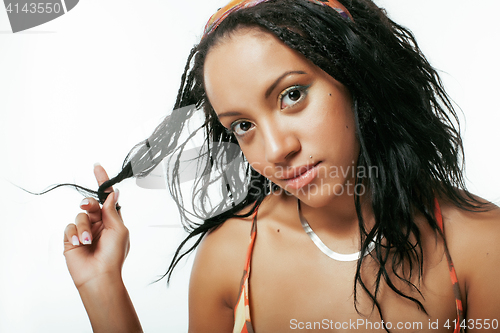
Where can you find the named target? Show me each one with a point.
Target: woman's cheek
(252, 158)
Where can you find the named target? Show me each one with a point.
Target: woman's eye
(292, 96)
(241, 128)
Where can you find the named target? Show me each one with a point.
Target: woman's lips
(303, 179)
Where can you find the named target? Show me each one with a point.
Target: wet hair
(406, 125)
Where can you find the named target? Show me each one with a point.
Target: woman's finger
(93, 209)
(71, 235)
(110, 216)
(84, 228)
(117, 205)
(101, 175)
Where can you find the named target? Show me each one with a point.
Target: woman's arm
(109, 306)
(215, 278)
(95, 247)
(474, 241)
(482, 280)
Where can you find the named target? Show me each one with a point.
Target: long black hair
(406, 125)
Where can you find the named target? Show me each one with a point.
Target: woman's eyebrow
(271, 88)
(229, 114)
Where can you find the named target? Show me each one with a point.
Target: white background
(87, 86)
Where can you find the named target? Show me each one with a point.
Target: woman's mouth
(305, 175)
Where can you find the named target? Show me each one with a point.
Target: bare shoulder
(224, 249)
(472, 234)
(473, 240)
(216, 275)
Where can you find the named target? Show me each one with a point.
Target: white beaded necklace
(332, 254)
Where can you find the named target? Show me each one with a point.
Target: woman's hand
(96, 245)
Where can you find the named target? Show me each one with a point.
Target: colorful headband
(236, 5)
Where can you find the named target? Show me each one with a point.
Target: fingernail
(86, 238)
(117, 195)
(84, 202)
(75, 240)
(97, 164)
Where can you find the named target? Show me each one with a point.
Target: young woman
(349, 208)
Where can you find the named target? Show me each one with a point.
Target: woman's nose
(279, 144)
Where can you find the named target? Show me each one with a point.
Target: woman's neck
(338, 217)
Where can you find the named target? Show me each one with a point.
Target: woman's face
(283, 109)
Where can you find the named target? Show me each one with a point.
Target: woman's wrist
(100, 282)
(108, 305)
